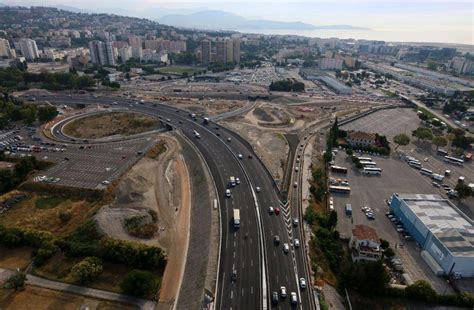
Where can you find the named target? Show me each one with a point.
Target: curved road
(261, 266)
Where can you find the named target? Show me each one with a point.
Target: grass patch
(55, 214)
(141, 226)
(179, 70)
(110, 124)
(49, 202)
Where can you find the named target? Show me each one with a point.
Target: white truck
(232, 181)
(236, 218)
(196, 134)
(438, 177)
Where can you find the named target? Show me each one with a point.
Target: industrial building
(444, 233)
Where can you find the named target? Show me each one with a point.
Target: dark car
(275, 298)
(277, 210)
(276, 240)
(250, 156)
(233, 276)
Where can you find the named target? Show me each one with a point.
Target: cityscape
(209, 159)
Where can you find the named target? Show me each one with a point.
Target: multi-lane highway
(261, 266)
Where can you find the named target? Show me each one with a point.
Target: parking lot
(387, 122)
(372, 191)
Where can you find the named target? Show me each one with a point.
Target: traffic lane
(235, 246)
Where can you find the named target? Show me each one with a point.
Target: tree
(16, 281)
(422, 133)
(138, 283)
(439, 141)
(401, 139)
(389, 252)
(384, 244)
(463, 190)
(87, 270)
(421, 290)
(47, 113)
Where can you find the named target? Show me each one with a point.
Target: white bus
(426, 171)
(415, 164)
(368, 163)
(370, 170)
(364, 158)
(453, 160)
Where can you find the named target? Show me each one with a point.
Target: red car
(277, 210)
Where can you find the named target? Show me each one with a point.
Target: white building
(125, 53)
(5, 48)
(29, 49)
(365, 244)
(137, 52)
(331, 63)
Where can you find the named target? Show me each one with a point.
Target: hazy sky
(423, 20)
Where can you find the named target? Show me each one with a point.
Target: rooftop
(363, 232)
(452, 227)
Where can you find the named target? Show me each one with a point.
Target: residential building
(360, 138)
(59, 41)
(220, 51)
(236, 50)
(444, 233)
(137, 52)
(102, 53)
(229, 50)
(135, 41)
(330, 63)
(5, 48)
(29, 49)
(365, 244)
(205, 52)
(125, 53)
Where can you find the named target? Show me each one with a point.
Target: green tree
(463, 190)
(87, 270)
(439, 141)
(401, 139)
(422, 133)
(384, 244)
(389, 252)
(421, 290)
(47, 113)
(16, 281)
(138, 283)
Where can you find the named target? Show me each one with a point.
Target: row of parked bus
(370, 166)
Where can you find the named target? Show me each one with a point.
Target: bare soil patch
(110, 124)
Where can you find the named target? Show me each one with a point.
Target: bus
(453, 160)
(339, 189)
(442, 152)
(368, 163)
(409, 158)
(415, 164)
(372, 170)
(364, 158)
(337, 169)
(426, 171)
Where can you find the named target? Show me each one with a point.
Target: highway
(261, 266)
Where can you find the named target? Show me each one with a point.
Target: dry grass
(46, 217)
(156, 150)
(48, 300)
(12, 258)
(109, 124)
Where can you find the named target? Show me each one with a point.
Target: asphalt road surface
(261, 266)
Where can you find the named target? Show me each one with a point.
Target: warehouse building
(444, 233)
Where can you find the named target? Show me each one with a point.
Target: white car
(227, 192)
(105, 182)
(237, 181)
(293, 298)
(229, 139)
(286, 248)
(295, 184)
(258, 189)
(302, 283)
(271, 210)
(296, 243)
(240, 156)
(283, 292)
(295, 222)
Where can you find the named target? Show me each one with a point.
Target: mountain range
(220, 20)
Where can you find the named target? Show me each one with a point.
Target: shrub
(138, 283)
(16, 281)
(421, 290)
(87, 270)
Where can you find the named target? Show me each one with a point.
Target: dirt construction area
(161, 185)
(265, 126)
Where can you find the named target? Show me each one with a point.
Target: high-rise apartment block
(227, 50)
(205, 52)
(29, 49)
(102, 53)
(134, 41)
(5, 50)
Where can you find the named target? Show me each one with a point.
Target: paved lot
(387, 122)
(372, 191)
(88, 167)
